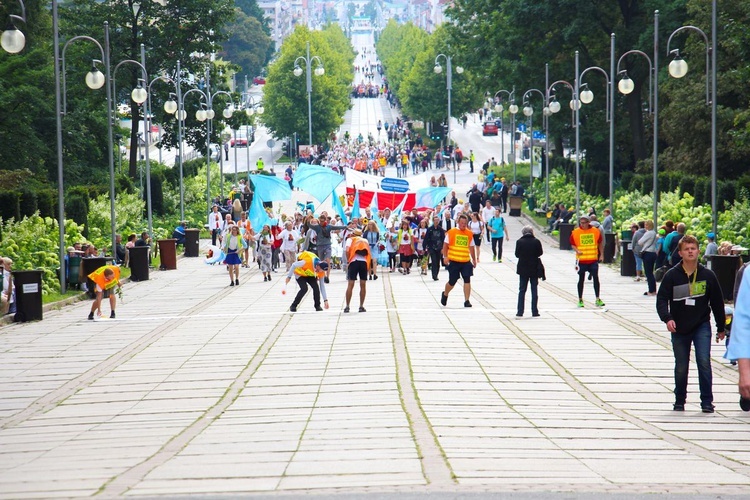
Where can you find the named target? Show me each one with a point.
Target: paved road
(199, 388)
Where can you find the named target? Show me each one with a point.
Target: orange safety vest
(459, 244)
(308, 269)
(587, 242)
(98, 277)
(358, 243)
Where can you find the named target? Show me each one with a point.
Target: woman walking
(647, 244)
(265, 240)
(405, 245)
(477, 228)
(233, 245)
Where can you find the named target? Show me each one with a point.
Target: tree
(248, 46)
(285, 95)
(177, 31)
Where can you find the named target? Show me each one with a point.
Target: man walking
(588, 244)
(433, 243)
(528, 251)
(688, 294)
(357, 252)
(459, 256)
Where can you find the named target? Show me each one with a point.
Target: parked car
(238, 141)
(489, 128)
(259, 80)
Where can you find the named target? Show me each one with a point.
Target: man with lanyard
(433, 243)
(459, 256)
(308, 271)
(688, 294)
(357, 252)
(588, 244)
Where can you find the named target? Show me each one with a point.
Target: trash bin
(626, 234)
(28, 287)
(139, 257)
(627, 259)
(168, 251)
(74, 269)
(531, 203)
(515, 203)
(609, 248)
(88, 266)
(565, 231)
(192, 242)
(725, 268)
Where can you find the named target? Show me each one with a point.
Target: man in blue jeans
(688, 294)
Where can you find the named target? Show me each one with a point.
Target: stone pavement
(198, 388)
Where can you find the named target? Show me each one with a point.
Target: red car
(259, 80)
(489, 128)
(240, 142)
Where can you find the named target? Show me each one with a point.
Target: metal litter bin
(627, 259)
(565, 231)
(28, 287)
(609, 248)
(168, 251)
(192, 242)
(139, 257)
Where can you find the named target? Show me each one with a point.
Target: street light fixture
(449, 86)
(574, 104)
(626, 87)
(206, 115)
(13, 40)
(528, 111)
(678, 68)
(498, 100)
(319, 71)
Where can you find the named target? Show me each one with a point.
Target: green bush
(77, 207)
(28, 202)
(47, 202)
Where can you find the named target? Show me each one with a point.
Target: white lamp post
(449, 86)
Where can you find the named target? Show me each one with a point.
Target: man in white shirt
(488, 211)
(215, 223)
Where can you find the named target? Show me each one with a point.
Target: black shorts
(478, 239)
(592, 268)
(356, 268)
(463, 270)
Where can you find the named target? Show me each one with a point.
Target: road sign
(521, 127)
(270, 143)
(538, 135)
(394, 184)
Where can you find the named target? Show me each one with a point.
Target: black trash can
(627, 259)
(168, 251)
(88, 266)
(725, 268)
(139, 257)
(28, 287)
(192, 242)
(565, 231)
(609, 248)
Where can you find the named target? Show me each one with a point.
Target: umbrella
(318, 181)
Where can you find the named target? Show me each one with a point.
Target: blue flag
(355, 205)
(336, 202)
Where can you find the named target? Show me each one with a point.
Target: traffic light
(436, 132)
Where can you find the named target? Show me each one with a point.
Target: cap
(662, 231)
(357, 232)
(323, 266)
(711, 236)
(71, 249)
(584, 216)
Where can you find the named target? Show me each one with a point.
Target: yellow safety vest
(308, 269)
(587, 242)
(98, 277)
(459, 244)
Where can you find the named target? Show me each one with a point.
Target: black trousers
(436, 258)
(303, 282)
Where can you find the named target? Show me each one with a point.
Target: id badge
(689, 302)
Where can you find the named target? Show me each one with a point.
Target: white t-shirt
(288, 240)
(487, 213)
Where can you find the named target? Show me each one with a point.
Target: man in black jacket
(688, 294)
(528, 251)
(433, 243)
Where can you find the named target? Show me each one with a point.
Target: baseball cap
(584, 216)
(323, 266)
(711, 235)
(662, 231)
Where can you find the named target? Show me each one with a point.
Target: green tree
(285, 95)
(248, 46)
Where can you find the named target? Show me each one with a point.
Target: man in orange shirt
(459, 256)
(588, 244)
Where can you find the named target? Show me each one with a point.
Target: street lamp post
(319, 71)
(448, 86)
(528, 111)
(253, 105)
(587, 96)
(554, 107)
(207, 115)
(513, 109)
(626, 86)
(678, 68)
